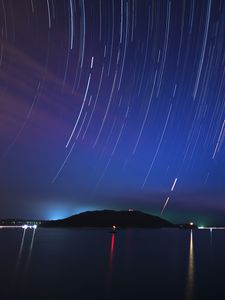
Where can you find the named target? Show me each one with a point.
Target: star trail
(112, 104)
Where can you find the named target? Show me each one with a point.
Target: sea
(81, 264)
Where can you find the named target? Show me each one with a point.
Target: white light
(25, 226)
(173, 186)
(35, 226)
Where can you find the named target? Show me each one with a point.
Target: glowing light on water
(111, 254)
(30, 250)
(112, 245)
(191, 270)
(211, 228)
(20, 252)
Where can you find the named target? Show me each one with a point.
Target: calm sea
(95, 264)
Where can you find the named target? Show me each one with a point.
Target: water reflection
(191, 270)
(20, 252)
(30, 252)
(23, 261)
(211, 233)
(18, 262)
(112, 245)
(111, 254)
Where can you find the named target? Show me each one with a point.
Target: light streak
(203, 50)
(71, 25)
(92, 62)
(63, 164)
(168, 198)
(165, 46)
(157, 150)
(95, 103)
(146, 115)
(66, 67)
(32, 6)
(132, 25)
(82, 107)
(206, 179)
(174, 91)
(219, 141)
(164, 206)
(83, 35)
(107, 110)
(146, 53)
(100, 20)
(5, 22)
(89, 102)
(112, 38)
(24, 124)
(125, 48)
(118, 138)
(121, 21)
(49, 16)
(173, 186)
(81, 126)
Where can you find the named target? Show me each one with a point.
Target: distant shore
(103, 219)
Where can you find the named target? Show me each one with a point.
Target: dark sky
(112, 104)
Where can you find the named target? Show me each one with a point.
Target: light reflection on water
(23, 260)
(111, 254)
(112, 245)
(211, 234)
(128, 264)
(30, 252)
(19, 277)
(20, 253)
(191, 270)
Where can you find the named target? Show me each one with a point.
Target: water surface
(95, 264)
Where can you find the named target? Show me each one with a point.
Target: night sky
(112, 104)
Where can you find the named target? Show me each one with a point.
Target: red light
(111, 254)
(112, 245)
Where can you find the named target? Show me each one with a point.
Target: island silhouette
(108, 218)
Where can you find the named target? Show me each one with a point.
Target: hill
(108, 218)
